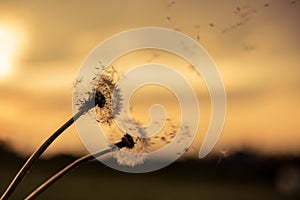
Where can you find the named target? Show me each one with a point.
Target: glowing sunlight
(8, 47)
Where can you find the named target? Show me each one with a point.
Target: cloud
(62, 33)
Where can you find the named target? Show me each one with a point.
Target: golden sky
(255, 45)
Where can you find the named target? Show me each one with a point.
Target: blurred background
(255, 45)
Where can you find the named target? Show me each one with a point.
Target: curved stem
(126, 141)
(34, 157)
(64, 171)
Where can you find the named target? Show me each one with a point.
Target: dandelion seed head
(141, 139)
(102, 94)
(144, 145)
(126, 158)
(132, 151)
(127, 141)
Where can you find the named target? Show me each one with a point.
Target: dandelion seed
(172, 24)
(128, 159)
(293, 2)
(249, 48)
(77, 81)
(211, 25)
(197, 27)
(170, 4)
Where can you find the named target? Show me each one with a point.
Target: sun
(8, 44)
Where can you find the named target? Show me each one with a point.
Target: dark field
(239, 176)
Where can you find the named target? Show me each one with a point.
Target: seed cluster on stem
(97, 98)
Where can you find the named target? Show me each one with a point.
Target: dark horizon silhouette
(275, 177)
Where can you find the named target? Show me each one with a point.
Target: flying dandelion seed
(172, 24)
(170, 4)
(197, 27)
(244, 13)
(293, 2)
(170, 20)
(249, 48)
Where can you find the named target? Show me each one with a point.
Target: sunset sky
(255, 45)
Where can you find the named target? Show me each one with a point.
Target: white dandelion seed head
(144, 145)
(100, 94)
(126, 158)
(128, 152)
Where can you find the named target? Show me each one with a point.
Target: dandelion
(143, 145)
(135, 155)
(132, 156)
(130, 151)
(126, 142)
(104, 96)
(100, 98)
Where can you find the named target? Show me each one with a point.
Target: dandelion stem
(34, 157)
(126, 141)
(65, 170)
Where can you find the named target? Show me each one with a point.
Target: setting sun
(8, 44)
